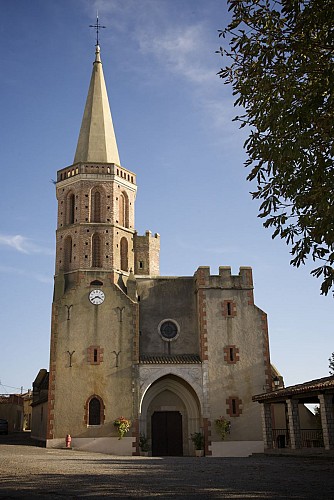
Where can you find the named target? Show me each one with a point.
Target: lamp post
(276, 381)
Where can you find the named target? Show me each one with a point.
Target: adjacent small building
(288, 424)
(11, 409)
(39, 405)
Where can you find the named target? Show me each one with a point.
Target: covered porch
(292, 435)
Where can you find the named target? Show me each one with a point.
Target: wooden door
(167, 434)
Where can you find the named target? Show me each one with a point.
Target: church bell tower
(94, 348)
(95, 195)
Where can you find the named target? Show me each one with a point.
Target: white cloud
(180, 49)
(182, 45)
(22, 244)
(177, 43)
(18, 242)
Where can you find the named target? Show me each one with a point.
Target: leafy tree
(331, 364)
(280, 63)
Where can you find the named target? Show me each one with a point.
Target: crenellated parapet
(225, 279)
(147, 254)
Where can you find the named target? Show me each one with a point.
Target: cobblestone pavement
(32, 472)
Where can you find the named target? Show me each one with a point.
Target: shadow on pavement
(21, 439)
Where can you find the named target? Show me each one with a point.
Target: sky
(173, 121)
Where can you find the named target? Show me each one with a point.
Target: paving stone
(34, 472)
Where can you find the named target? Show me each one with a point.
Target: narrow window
(94, 412)
(231, 354)
(141, 265)
(229, 309)
(234, 406)
(96, 251)
(95, 355)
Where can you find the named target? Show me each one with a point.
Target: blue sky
(172, 117)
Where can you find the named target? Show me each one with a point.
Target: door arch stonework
(171, 393)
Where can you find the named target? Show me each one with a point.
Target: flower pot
(199, 453)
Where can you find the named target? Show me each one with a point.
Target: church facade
(170, 354)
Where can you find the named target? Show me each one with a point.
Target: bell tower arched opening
(70, 208)
(96, 250)
(124, 254)
(123, 207)
(67, 253)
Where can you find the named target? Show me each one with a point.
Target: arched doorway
(170, 413)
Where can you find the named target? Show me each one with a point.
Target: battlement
(225, 279)
(148, 234)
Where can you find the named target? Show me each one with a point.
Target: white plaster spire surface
(97, 140)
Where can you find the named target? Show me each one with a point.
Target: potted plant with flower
(223, 426)
(198, 440)
(123, 426)
(143, 445)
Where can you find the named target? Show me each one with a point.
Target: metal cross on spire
(97, 26)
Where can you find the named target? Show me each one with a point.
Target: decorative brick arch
(70, 208)
(123, 209)
(97, 209)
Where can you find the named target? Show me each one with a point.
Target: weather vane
(97, 26)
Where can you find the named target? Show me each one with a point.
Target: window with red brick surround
(233, 406)
(231, 354)
(94, 411)
(95, 355)
(229, 309)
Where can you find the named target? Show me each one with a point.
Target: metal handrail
(310, 438)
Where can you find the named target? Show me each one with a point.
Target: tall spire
(97, 140)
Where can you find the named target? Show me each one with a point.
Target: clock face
(96, 297)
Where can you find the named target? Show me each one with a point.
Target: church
(170, 355)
